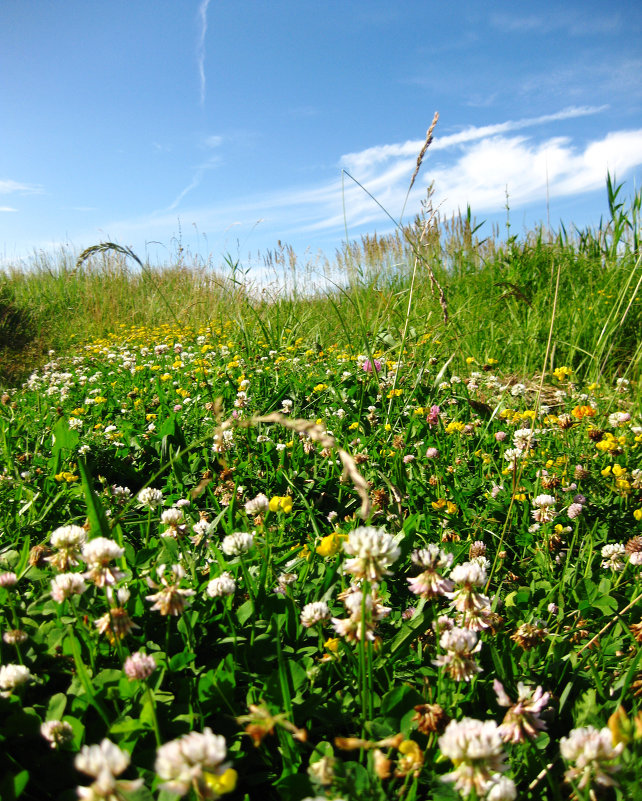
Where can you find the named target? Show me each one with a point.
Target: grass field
(379, 540)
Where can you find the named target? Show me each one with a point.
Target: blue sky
(229, 123)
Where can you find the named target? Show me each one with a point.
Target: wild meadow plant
(380, 542)
(230, 576)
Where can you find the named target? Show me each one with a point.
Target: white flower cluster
(11, 677)
(221, 585)
(373, 551)
(104, 763)
(192, 760)
(313, 613)
(593, 755)
(476, 749)
(238, 543)
(150, 498)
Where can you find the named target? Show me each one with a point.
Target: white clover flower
(191, 761)
(469, 573)
(574, 510)
(11, 677)
(223, 441)
(460, 644)
(544, 510)
(524, 438)
(222, 585)
(68, 541)
(172, 517)
(501, 788)
(66, 584)
(352, 627)
(431, 583)
(238, 543)
(57, 732)
(373, 549)
(593, 753)
(104, 762)
(201, 527)
(612, 556)
(150, 498)
(313, 613)
(522, 719)
(257, 505)
(476, 749)
(139, 666)
(618, 419)
(98, 553)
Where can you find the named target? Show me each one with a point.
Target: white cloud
(8, 187)
(7, 208)
(198, 177)
(200, 48)
(475, 167)
(212, 141)
(569, 21)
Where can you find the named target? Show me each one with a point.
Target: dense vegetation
(378, 541)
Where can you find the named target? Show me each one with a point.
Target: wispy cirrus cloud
(8, 187)
(7, 208)
(560, 19)
(200, 47)
(476, 167)
(209, 143)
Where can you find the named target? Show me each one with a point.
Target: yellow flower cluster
(281, 504)
(331, 544)
(66, 476)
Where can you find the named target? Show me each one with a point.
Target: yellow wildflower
(330, 544)
(220, 785)
(281, 504)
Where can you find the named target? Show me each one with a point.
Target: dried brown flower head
(528, 636)
(430, 718)
(477, 548)
(595, 434)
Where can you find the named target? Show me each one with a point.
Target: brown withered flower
(38, 555)
(430, 718)
(261, 722)
(595, 434)
(477, 548)
(565, 421)
(380, 499)
(636, 631)
(115, 624)
(549, 482)
(528, 636)
(633, 550)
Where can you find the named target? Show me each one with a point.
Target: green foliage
(501, 479)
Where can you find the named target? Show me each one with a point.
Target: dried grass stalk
(423, 150)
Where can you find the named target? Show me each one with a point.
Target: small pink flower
(432, 453)
(368, 365)
(178, 407)
(433, 416)
(500, 436)
(139, 666)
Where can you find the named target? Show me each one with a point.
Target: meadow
(379, 540)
